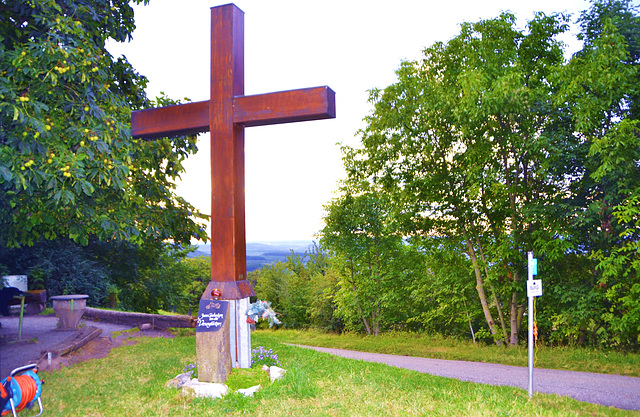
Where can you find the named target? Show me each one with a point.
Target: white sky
(352, 46)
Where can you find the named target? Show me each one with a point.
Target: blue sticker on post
(534, 266)
(211, 315)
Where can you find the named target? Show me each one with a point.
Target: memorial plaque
(211, 315)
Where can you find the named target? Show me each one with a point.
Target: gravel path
(609, 390)
(38, 333)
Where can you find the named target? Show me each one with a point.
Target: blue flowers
(191, 367)
(262, 356)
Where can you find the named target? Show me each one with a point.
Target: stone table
(69, 309)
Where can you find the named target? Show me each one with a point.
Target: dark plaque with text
(211, 315)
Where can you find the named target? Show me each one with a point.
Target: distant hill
(260, 254)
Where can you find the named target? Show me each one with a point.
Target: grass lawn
(438, 347)
(131, 382)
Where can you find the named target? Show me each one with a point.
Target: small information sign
(211, 315)
(534, 288)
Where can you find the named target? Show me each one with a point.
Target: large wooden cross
(227, 112)
(225, 115)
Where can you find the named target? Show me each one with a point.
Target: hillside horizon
(263, 253)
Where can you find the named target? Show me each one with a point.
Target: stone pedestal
(69, 309)
(212, 342)
(240, 334)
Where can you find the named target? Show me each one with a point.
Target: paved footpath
(610, 390)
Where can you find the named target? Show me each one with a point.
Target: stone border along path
(608, 390)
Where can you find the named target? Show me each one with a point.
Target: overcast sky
(293, 170)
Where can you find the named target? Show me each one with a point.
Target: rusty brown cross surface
(225, 115)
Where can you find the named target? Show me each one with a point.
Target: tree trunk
(375, 321)
(480, 288)
(515, 318)
(353, 287)
(493, 292)
(365, 321)
(503, 324)
(514, 324)
(473, 334)
(521, 310)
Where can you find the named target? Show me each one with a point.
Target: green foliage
(490, 146)
(371, 255)
(71, 174)
(63, 267)
(68, 165)
(602, 87)
(444, 293)
(276, 284)
(322, 277)
(154, 276)
(570, 311)
(459, 145)
(193, 275)
(301, 290)
(116, 274)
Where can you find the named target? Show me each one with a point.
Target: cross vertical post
(227, 112)
(227, 146)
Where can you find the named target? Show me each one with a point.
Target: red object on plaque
(216, 293)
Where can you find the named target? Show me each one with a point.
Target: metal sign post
(534, 289)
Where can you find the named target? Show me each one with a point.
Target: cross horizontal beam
(285, 107)
(178, 120)
(257, 110)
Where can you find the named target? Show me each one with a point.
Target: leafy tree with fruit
(68, 165)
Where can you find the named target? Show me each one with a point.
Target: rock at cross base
(275, 372)
(179, 380)
(248, 392)
(195, 388)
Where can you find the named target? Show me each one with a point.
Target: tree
(194, 275)
(461, 141)
(150, 276)
(601, 83)
(68, 165)
(322, 277)
(370, 250)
